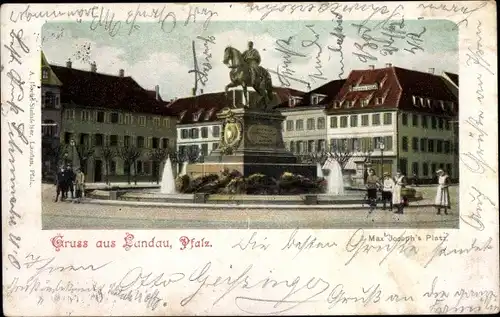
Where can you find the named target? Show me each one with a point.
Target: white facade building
(403, 115)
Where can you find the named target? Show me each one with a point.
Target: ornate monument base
(251, 142)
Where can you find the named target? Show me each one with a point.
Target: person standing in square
(61, 184)
(397, 195)
(79, 184)
(442, 200)
(387, 189)
(372, 184)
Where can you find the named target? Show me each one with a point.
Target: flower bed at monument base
(256, 184)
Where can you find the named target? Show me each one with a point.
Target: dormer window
(45, 73)
(441, 103)
(196, 115)
(364, 102)
(182, 114)
(208, 115)
(414, 100)
(428, 103)
(421, 101)
(452, 106)
(294, 101)
(316, 99)
(383, 81)
(337, 104)
(360, 80)
(348, 103)
(379, 100)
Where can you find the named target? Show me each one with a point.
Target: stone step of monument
(233, 205)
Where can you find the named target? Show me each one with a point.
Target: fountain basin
(351, 197)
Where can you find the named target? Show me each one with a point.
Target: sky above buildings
(302, 52)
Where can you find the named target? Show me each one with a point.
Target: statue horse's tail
(269, 85)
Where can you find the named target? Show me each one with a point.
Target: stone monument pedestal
(251, 142)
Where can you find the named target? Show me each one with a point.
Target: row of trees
(60, 154)
(130, 155)
(341, 156)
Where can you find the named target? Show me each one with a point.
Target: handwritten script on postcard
(371, 269)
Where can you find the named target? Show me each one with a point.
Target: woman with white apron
(442, 194)
(397, 193)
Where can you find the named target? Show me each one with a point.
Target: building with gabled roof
(402, 117)
(451, 80)
(111, 111)
(51, 117)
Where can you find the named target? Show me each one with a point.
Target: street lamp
(72, 143)
(381, 146)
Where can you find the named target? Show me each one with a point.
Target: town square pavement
(68, 215)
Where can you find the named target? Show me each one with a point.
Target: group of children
(68, 181)
(392, 191)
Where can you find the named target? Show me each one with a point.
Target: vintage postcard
(250, 158)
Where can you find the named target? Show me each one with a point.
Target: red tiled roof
(329, 89)
(396, 89)
(204, 108)
(97, 90)
(206, 105)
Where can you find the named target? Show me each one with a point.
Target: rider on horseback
(252, 58)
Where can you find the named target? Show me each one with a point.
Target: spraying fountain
(167, 179)
(183, 169)
(335, 179)
(319, 171)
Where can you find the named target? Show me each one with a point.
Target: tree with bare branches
(85, 152)
(342, 154)
(157, 156)
(193, 154)
(313, 158)
(107, 154)
(129, 155)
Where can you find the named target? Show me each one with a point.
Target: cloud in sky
(167, 63)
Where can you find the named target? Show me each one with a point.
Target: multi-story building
(400, 117)
(198, 130)
(51, 118)
(113, 111)
(304, 130)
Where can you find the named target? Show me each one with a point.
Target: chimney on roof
(93, 67)
(388, 65)
(157, 92)
(121, 73)
(371, 66)
(69, 63)
(201, 91)
(193, 91)
(431, 70)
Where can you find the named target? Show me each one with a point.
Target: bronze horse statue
(241, 75)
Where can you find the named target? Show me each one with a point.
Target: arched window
(49, 100)
(49, 128)
(45, 73)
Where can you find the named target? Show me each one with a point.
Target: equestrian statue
(247, 72)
